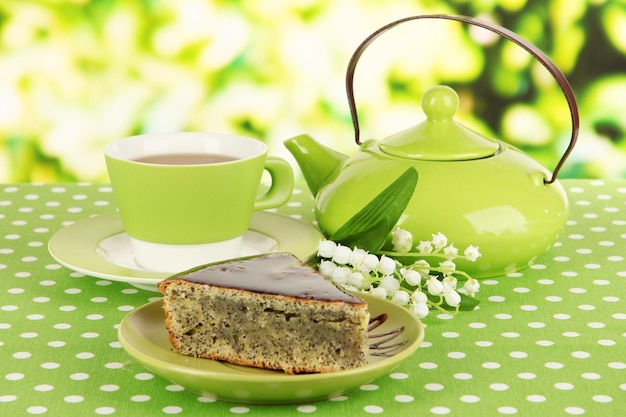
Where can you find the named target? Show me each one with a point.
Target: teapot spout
(316, 161)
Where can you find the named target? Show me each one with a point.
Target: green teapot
(477, 191)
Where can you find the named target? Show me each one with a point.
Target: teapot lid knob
(439, 137)
(440, 103)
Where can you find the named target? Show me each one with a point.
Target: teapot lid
(439, 137)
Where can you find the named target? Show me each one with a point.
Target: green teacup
(187, 198)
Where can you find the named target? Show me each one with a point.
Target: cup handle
(282, 184)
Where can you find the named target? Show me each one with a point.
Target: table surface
(550, 339)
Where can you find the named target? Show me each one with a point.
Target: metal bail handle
(512, 36)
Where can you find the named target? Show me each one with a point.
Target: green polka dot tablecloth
(548, 340)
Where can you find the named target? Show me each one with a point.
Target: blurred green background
(75, 75)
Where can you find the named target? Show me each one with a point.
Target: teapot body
(499, 204)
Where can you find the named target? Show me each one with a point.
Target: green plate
(98, 246)
(143, 334)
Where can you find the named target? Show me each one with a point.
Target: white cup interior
(185, 142)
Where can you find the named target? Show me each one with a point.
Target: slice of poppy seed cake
(269, 311)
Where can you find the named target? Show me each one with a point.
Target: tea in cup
(187, 198)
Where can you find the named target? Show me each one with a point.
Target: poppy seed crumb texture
(269, 311)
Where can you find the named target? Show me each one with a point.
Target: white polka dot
(140, 398)
(591, 376)
(114, 365)
(456, 355)
(527, 375)
(536, 398)
(554, 365)
(507, 410)
(463, 376)
(499, 387)
(518, 355)
(206, 398)
(491, 365)
(581, 355)
(79, 376)
(338, 398)
(15, 376)
(307, 408)
(440, 410)
(428, 365)
(400, 375)
(575, 411)
(105, 411)
(373, 409)
(37, 409)
(470, 399)
(144, 376)
(44, 388)
(175, 388)
(172, 409)
(73, 399)
(602, 398)
(109, 388)
(404, 398)
(571, 334)
(564, 386)
(368, 387)
(50, 365)
(433, 386)
(7, 398)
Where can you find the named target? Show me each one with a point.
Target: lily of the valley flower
(419, 286)
(471, 286)
(401, 240)
(472, 253)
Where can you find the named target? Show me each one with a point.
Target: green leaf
(369, 228)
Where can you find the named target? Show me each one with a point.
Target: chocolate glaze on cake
(277, 273)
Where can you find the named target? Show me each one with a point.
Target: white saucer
(98, 246)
